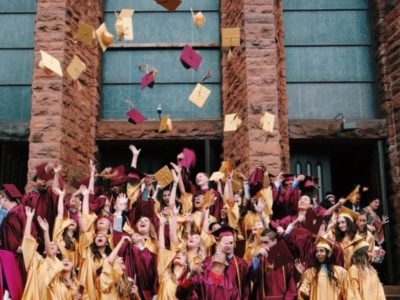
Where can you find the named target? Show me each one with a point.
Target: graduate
(324, 281)
(12, 228)
(237, 272)
(362, 230)
(211, 285)
(364, 279)
(270, 280)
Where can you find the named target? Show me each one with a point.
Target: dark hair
(69, 241)
(329, 267)
(271, 234)
(360, 258)
(351, 230)
(96, 253)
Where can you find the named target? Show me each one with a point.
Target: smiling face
(304, 203)
(321, 254)
(41, 184)
(342, 224)
(198, 201)
(53, 250)
(224, 211)
(375, 204)
(165, 196)
(362, 222)
(143, 225)
(238, 199)
(227, 244)
(257, 227)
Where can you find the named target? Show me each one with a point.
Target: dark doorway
(155, 154)
(14, 163)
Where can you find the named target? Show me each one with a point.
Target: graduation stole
(238, 276)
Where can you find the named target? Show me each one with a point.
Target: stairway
(392, 291)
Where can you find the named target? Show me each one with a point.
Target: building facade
(328, 69)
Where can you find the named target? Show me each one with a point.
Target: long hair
(69, 241)
(351, 230)
(363, 232)
(96, 252)
(329, 268)
(360, 258)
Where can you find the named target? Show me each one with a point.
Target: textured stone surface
(254, 82)
(64, 117)
(115, 130)
(386, 15)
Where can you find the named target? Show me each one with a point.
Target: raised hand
(59, 192)
(134, 150)
(84, 190)
(178, 169)
(30, 212)
(43, 224)
(57, 168)
(162, 219)
(300, 177)
(299, 265)
(260, 205)
(176, 176)
(92, 166)
(385, 219)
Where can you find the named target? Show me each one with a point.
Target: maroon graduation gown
(285, 201)
(204, 286)
(232, 275)
(12, 233)
(276, 282)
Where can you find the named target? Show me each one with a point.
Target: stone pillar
(386, 22)
(254, 82)
(63, 121)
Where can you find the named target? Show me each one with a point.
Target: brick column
(386, 21)
(63, 121)
(254, 82)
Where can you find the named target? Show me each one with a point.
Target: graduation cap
(267, 122)
(104, 38)
(322, 242)
(224, 231)
(217, 176)
(12, 190)
(198, 18)
(347, 212)
(313, 221)
(42, 172)
(310, 183)
(280, 254)
(164, 176)
(85, 33)
(361, 244)
(171, 5)
(189, 158)
(149, 77)
(165, 124)
(257, 176)
(123, 24)
(135, 116)
(200, 93)
(357, 190)
(76, 68)
(232, 122)
(49, 64)
(190, 58)
(230, 37)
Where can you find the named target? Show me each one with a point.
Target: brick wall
(63, 119)
(254, 82)
(386, 15)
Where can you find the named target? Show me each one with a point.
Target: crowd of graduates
(124, 234)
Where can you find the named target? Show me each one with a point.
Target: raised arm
(85, 208)
(114, 254)
(178, 170)
(228, 190)
(60, 205)
(45, 227)
(92, 175)
(335, 207)
(172, 228)
(135, 155)
(161, 231)
(29, 217)
(56, 181)
(172, 196)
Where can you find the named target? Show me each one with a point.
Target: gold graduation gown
(41, 271)
(167, 281)
(322, 288)
(72, 255)
(89, 266)
(348, 246)
(109, 277)
(369, 238)
(365, 284)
